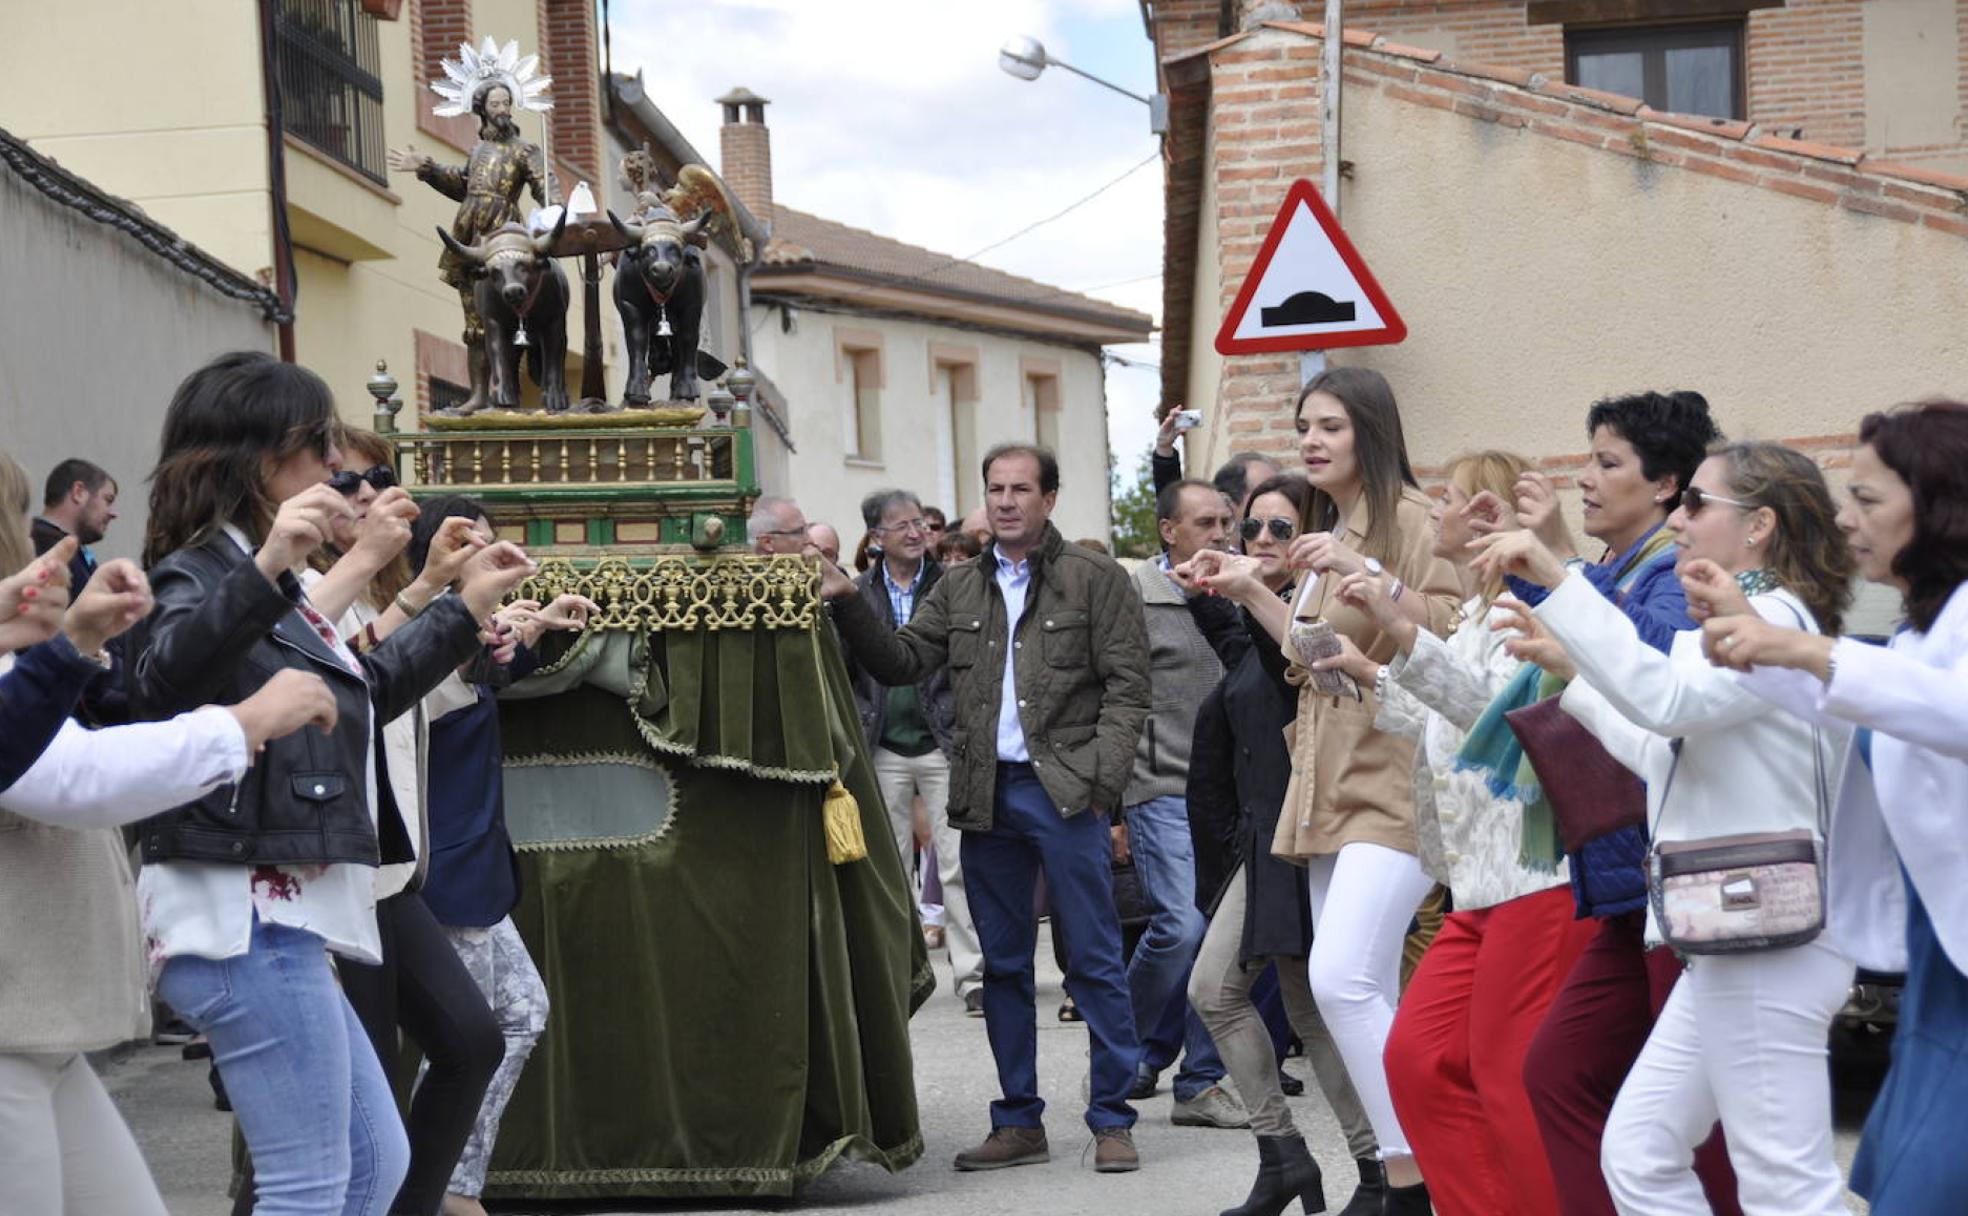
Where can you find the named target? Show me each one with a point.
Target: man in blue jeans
(1049, 668)
(1182, 670)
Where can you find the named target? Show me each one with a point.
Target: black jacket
(939, 703)
(1238, 771)
(218, 632)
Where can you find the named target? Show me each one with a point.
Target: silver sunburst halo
(491, 64)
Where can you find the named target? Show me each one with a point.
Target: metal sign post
(1312, 362)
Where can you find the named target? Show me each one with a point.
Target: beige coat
(1351, 782)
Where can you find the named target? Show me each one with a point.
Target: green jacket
(1083, 690)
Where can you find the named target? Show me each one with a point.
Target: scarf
(1491, 747)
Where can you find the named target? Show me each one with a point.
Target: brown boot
(1006, 1147)
(1113, 1151)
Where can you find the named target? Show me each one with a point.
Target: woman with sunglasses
(245, 892)
(1743, 1035)
(1455, 1057)
(1898, 851)
(1261, 913)
(1349, 814)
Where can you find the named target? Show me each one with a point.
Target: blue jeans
(312, 1102)
(1001, 870)
(1158, 975)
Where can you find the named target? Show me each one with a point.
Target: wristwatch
(1374, 567)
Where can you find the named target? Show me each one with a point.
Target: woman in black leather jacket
(245, 892)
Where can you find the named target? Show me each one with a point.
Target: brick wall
(745, 163)
(567, 53)
(437, 29)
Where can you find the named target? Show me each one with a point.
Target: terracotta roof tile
(800, 239)
(1800, 147)
(1722, 128)
(1915, 173)
(1490, 71)
(1615, 102)
(1421, 53)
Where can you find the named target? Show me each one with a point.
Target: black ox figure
(522, 299)
(660, 277)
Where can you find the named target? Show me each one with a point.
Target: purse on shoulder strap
(1591, 793)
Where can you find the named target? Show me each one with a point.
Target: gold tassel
(841, 816)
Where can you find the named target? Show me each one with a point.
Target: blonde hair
(1495, 471)
(16, 499)
(1808, 551)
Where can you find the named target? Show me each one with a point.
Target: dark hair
(430, 517)
(224, 423)
(956, 547)
(876, 505)
(1926, 445)
(1670, 432)
(483, 94)
(1048, 463)
(1092, 542)
(1169, 499)
(1380, 451)
(942, 520)
(1233, 476)
(66, 474)
(1807, 552)
(1292, 485)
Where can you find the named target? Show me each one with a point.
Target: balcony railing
(327, 57)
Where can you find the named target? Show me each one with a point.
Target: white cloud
(892, 115)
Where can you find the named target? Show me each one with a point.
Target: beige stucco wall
(916, 451)
(1536, 275)
(1912, 56)
(97, 332)
(194, 156)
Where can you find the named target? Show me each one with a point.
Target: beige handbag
(1742, 893)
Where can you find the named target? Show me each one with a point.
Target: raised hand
(408, 159)
(835, 582)
(490, 574)
(1232, 575)
(117, 597)
(453, 544)
(568, 611)
(1712, 591)
(1166, 433)
(1533, 642)
(1746, 641)
(1538, 512)
(1321, 552)
(1488, 513)
(385, 531)
(304, 523)
(33, 601)
(289, 701)
(1518, 553)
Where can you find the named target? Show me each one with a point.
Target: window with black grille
(331, 96)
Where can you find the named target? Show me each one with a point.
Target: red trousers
(1455, 1058)
(1582, 1053)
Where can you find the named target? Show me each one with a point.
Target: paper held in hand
(1314, 638)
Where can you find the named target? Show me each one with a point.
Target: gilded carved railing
(729, 591)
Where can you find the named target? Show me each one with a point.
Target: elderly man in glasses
(911, 727)
(1192, 515)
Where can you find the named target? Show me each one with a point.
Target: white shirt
(120, 774)
(1014, 580)
(207, 908)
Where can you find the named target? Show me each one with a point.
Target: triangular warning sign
(1308, 288)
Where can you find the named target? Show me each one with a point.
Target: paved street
(1185, 1170)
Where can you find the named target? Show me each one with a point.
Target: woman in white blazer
(1899, 845)
(1743, 1036)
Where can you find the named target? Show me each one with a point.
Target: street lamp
(1025, 57)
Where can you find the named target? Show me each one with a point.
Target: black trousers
(422, 989)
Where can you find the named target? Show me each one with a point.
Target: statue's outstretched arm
(448, 180)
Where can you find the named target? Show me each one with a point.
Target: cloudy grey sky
(892, 115)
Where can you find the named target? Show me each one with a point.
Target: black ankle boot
(1407, 1201)
(1367, 1199)
(1285, 1171)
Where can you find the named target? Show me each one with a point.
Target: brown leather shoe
(1006, 1147)
(1113, 1151)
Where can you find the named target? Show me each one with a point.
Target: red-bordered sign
(1309, 289)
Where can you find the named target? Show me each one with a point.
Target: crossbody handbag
(1742, 893)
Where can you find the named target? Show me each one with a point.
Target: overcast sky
(892, 115)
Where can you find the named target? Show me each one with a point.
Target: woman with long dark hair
(1898, 850)
(1258, 907)
(245, 892)
(1348, 814)
(1743, 1035)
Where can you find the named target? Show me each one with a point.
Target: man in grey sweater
(1182, 670)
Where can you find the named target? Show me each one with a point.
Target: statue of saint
(487, 186)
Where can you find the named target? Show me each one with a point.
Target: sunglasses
(382, 477)
(1281, 529)
(1693, 499)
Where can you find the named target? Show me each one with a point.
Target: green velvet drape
(729, 1009)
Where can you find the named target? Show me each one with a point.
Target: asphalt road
(1191, 1171)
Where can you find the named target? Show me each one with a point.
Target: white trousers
(64, 1151)
(1742, 1038)
(902, 778)
(1363, 899)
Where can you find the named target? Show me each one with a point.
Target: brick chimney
(745, 150)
